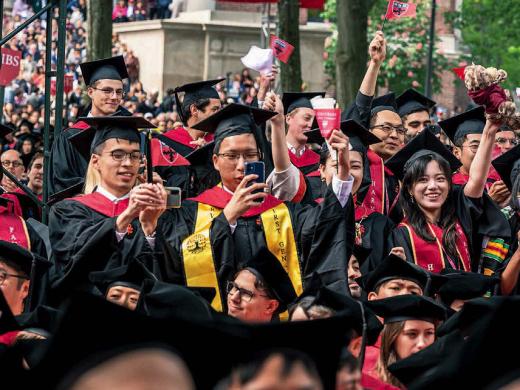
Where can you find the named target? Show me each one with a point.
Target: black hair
(17, 269)
(200, 104)
(405, 117)
(458, 143)
(415, 215)
(250, 370)
(38, 154)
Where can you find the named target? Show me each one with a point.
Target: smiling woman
(441, 217)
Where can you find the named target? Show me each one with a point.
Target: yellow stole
(199, 265)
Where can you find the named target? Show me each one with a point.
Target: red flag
(397, 9)
(165, 156)
(328, 119)
(460, 72)
(281, 49)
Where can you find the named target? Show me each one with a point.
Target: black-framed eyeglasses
(4, 275)
(234, 157)
(245, 295)
(110, 91)
(120, 155)
(401, 130)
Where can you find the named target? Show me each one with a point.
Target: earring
(412, 198)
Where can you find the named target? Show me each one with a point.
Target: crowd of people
(238, 246)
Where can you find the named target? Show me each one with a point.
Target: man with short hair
(260, 290)
(104, 81)
(35, 174)
(505, 139)
(414, 109)
(12, 161)
(15, 271)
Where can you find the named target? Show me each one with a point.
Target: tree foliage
(407, 49)
(491, 32)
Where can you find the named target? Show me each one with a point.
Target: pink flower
(415, 84)
(410, 74)
(419, 46)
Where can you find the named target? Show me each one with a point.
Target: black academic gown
(324, 236)
(84, 240)
(376, 233)
(478, 217)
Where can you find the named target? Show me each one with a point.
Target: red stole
(165, 156)
(431, 256)
(102, 204)
(80, 125)
(374, 200)
(219, 198)
(181, 135)
(307, 158)
(460, 178)
(13, 229)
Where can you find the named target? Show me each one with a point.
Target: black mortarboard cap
(383, 103)
(409, 369)
(194, 92)
(165, 300)
(359, 137)
(17, 255)
(103, 128)
(508, 166)
(469, 122)
(464, 285)
(425, 143)
(343, 304)
(4, 130)
(131, 275)
(112, 68)
(393, 267)
(361, 253)
(294, 100)
(234, 119)
(407, 307)
(411, 101)
(274, 275)
(202, 155)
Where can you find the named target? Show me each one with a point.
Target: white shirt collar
(227, 190)
(297, 152)
(112, 198)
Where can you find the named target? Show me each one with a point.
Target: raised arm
(377, 53)
(479, 169)
(278, 141)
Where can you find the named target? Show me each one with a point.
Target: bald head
(150, 368)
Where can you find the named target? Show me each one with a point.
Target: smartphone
(255, 168)
(174, 197)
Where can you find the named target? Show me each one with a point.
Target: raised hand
(339, 142)
(377, 48)
(243, 198)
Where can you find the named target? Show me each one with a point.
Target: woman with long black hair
(444, 223)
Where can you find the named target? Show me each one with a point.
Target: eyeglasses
(110, 91)
(502, 141)
(245, 295)
(401, 130)
(120, 155)
(234, 157)
(15, 164)
(4, 275)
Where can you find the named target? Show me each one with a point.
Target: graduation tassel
(383, 26)
(148, 152)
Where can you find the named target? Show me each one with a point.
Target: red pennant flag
(281, 49)
(397, 9)
(460, 72)
(164, 156)
(328, 119)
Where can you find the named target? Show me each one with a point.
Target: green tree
(407, 48)
(289, 30)
(99, 19)
(491, 32)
